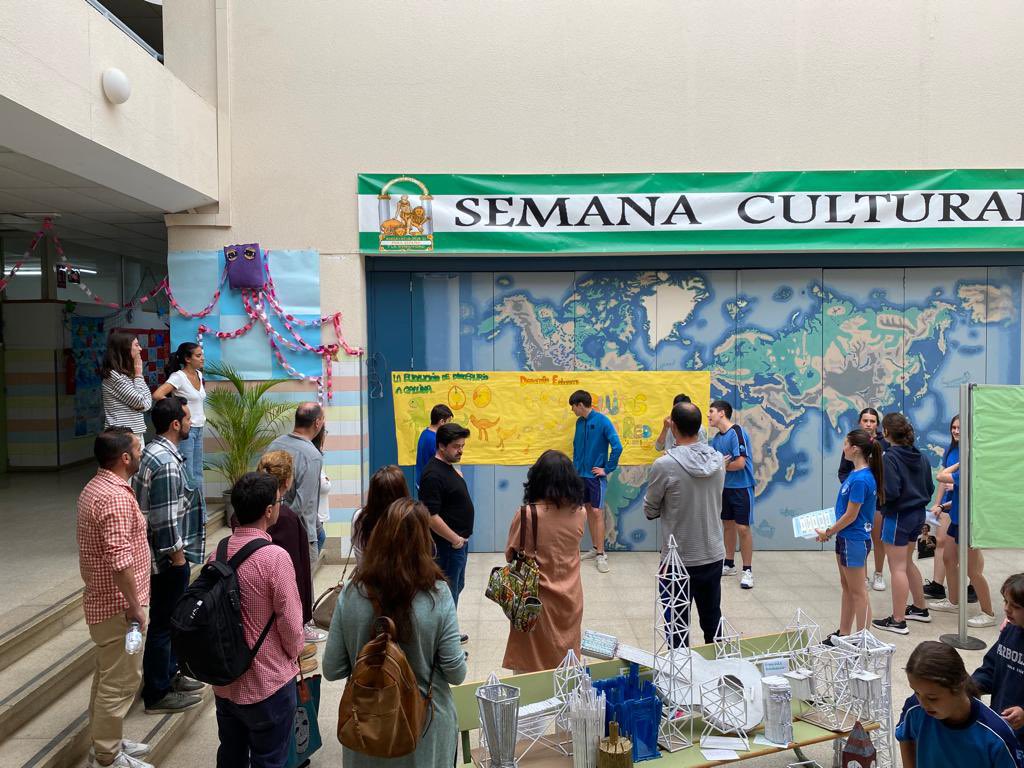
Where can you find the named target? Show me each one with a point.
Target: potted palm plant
(244, 421)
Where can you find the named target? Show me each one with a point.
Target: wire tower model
(872, 689)
(569, 677)
(723, 704)
(727, 641)
(833, 707)
(673, 668)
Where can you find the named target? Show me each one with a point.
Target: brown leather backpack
(382, 712)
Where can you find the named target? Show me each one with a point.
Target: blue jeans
(191, 448)
(159, 665)
(256, 735)
(453, 562)
(321, 537)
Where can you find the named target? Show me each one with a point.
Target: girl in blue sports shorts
(908, 489)
(975, 562)
(855, 513)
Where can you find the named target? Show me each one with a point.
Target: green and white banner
(678, 212)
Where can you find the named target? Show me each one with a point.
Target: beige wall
(52, 56)
(323, 90)
(189, 43)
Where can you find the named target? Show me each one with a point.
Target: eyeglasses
(279, 499)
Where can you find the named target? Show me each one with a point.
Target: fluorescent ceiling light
(37, 272)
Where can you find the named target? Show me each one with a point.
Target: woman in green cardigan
(399, 574)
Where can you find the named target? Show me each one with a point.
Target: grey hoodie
(685, 491)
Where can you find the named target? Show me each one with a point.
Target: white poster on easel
(806, 526)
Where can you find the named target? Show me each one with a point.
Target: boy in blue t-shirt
(733, 442)
(595, 453)
(427, 445)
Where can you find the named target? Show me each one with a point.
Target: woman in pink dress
(556, 491)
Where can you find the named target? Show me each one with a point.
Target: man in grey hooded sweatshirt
(685, 491)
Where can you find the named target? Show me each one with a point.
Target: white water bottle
(133, 639)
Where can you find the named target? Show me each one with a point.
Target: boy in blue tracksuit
(440, 414)
(733, 442)
(595, 453)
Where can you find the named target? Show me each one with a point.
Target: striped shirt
(125, 401)
(111, 538)
(266, 582)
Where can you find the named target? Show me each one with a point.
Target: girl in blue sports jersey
(975, 562)
(855, 514)
(936, 588)
(944, 724)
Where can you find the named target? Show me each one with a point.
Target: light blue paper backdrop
(194, 276)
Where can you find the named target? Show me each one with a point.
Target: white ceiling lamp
(116, 86)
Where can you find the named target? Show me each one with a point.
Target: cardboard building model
(859, 752)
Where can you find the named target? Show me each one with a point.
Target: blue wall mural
(799, 352)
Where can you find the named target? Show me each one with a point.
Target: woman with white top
(323, 510)
(185, 379)
(126, 396)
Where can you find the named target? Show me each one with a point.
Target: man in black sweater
(444, 492)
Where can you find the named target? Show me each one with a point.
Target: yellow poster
(515, 416)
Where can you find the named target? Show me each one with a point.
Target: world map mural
(798, 353)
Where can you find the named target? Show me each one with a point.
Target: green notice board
(997, 484)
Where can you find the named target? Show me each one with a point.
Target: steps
(46, 663)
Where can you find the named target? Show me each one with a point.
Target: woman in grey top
(126, 396)
(398, 578)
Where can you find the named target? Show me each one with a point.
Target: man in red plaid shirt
(256, 712)
(114, 559)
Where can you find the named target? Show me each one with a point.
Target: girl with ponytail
(185, 379)
(855, 514)
(908, 490)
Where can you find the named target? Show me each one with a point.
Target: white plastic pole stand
(962, 640)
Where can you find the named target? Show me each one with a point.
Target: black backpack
(206, 624)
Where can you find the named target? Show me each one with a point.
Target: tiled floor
(38, 550)
(38, 564)
(622, 603)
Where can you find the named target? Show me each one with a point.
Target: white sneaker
(982, 620)
(878, 583)
(729, 570)
(602, 563)
(747, 580)
(314, 634)
(131, 748)
(123, 760)
(589, 555)
(944, 606)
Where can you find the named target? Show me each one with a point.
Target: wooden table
(537, 686)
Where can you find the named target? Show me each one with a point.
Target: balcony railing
(126, 29)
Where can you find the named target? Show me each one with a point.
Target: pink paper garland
(254, 307)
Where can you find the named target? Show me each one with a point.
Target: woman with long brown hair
(855, 505)
(555, 492)
(908, 489)
(126, 396)
(387, 485)
(399, 579)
